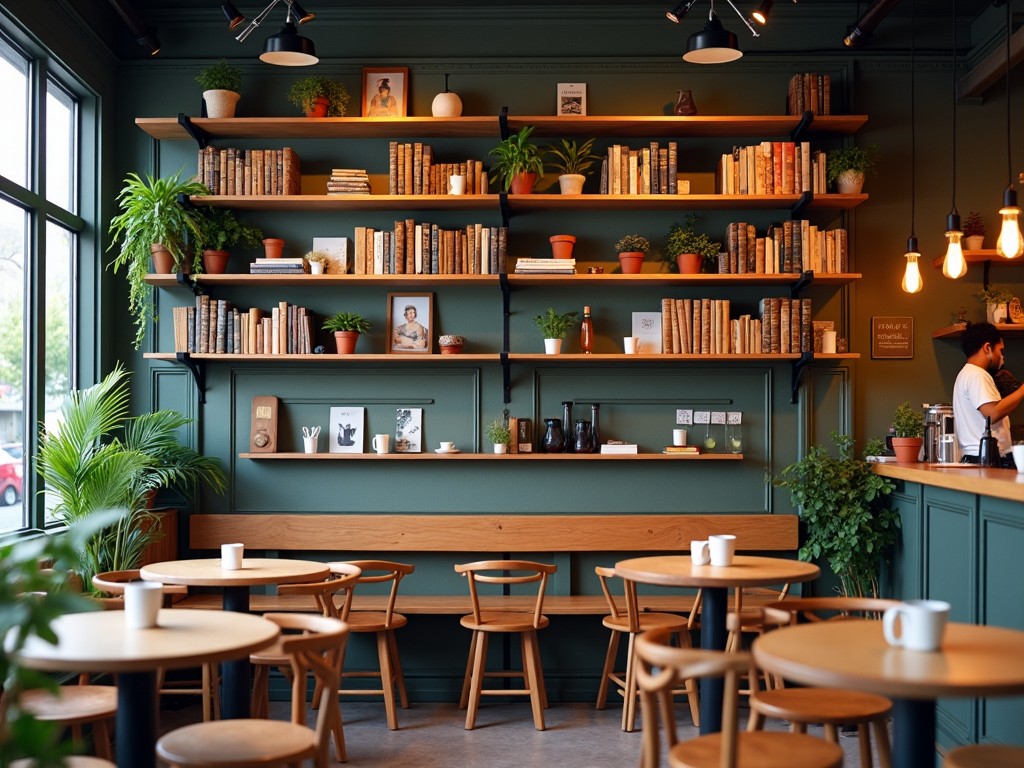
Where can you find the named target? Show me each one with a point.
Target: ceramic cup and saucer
(447, 447)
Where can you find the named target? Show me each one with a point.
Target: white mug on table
(700, 552)
(922, 624)
(381, 443)
(142, 601)
(231, 556)
(722, 547)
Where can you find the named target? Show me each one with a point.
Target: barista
(976, 396)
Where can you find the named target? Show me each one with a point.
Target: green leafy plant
(221, 230)
(306, 91)
(220, 76)
(632, 244)
(684, 238)
(908, 421)
(347, 321)
(497, 432)
(150, 214)
(974, 225)
(553, 325)
(100, 457)
(570, 157)
(860, 159)
(842, 504)
(516, 155)
(994, 295)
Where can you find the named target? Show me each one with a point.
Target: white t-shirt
(973, 388)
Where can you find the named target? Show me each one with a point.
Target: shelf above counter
(519, 357)
(430, 456)
(956, 330)
(982, 256)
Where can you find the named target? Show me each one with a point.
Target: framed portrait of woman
(385, 91)
(409, 322)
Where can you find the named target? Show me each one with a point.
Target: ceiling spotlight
(299, 14)
(232, 15)
(680, 10)
(761, 14)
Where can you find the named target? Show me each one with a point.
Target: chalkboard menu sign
(892, 337)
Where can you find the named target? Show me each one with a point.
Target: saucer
(441, 450)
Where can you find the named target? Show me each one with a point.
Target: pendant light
(1010, 244)
(287, 48)
(714, 44)
(954, 265)
(912, 282)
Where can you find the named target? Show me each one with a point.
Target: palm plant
(516, 155)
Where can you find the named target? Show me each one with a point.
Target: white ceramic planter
(571, 183)
(552, 346)
(316, 267)
(500, 448)
(220, 103)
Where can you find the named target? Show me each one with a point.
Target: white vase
(552, 346)
(500, 448)
(571, 183)
(446, 104)
(220, 103)
(850, 182)
(996, 313)
(316, 267)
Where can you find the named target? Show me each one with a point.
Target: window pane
(61, 245)
(13, 223)
(14, 116)
(60, 148)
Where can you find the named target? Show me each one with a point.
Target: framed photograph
(572, 99)
(385, 91)
(409, 430)
(409, 321)
(348, 429)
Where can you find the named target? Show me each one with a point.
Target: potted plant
(631, 250)
(974, 232)
(346, 327)
(518, 162)
(572, 161)
(319, 96)
(908, 428)
(221, 230)
(221, 83)
(562, 245)
(689, 251)
(152, 222)
(995, 301)
(317, 262)
(498, 435)
(554, 327)
(273, 247)
(842, 506)
(847, 167)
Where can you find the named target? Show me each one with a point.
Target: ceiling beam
(991, 69)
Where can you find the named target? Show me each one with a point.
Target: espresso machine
(940, 443)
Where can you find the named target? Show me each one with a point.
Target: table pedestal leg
(913, 737)
(136, 719)
(236, 682)
(712, 638)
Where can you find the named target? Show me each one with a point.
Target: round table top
(98, 641)
(746, 571)
(974, 660)
(255, 570)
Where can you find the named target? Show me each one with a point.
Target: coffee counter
(970, 478)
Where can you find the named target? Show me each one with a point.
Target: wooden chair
(74, 706)
(984, 756)
(660, 668)
(630, 619)
(383, 624)
(112, 584)
(483, 623)
(245, 743)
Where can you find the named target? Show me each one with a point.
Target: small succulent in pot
(498, 433)
(974, 225)
(633, 244)
(553, 325)
(306, 92)
(450, 343)
(347, 321)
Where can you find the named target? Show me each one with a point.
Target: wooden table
(973, 661)
(98, 641)
(746, 571)
(255, 571)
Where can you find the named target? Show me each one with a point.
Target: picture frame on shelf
(337, 250)
(572, 100)
(408, 430)
(348, 429)
(410, 316)
(385, 91)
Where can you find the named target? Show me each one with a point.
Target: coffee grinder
(939, 438)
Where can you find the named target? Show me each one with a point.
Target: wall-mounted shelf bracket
(200, 135)
(798, 369)
(506, 378)
(802, 127)
(984, 274)
(503, 123)
(506, 212)
(806, 198)
(189, 283)
(198, 372)
(805, 280)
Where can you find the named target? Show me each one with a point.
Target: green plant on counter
(516, 155)
(304, 93)
(220, 77)
(908, 421)
(571, 158)
(633, 244)
(684, 238)
(346, 321)
(553, 325)
(497, 432)
(842, 504)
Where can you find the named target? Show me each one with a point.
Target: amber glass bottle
(586, 333)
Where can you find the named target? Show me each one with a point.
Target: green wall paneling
(903, 577)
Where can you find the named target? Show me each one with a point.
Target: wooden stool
(69, 762)
(984, 756)
(73, 706)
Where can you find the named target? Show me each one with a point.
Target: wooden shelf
(662, 358)
(313, 281)
(431, 456)
(331, 358)
(983, 255)
(350, 202)
(956, 330)
(700, 126)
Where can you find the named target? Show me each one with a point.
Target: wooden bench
(483, 537)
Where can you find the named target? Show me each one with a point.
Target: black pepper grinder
(988, 449)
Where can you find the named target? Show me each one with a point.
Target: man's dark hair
(977, 335)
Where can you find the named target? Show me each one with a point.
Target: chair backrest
(507, 572)
(343, 578)
(378, 572)
(833, 608)
(112, 583)
(630, 608)
(661, 668)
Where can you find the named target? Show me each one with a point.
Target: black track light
(763, 10)
(232, 15)
(680, 10)
(300, 14)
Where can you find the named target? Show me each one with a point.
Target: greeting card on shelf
(409, 430)
(647, 328)
(347, 429)
(572, 99)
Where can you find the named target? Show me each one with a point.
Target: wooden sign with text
(892, 337)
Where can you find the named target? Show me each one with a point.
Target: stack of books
(546, 266)
(264, 266)
(348, 181)
(617, 446)
(682, 450)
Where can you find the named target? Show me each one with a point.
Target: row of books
(653, 170)
(427, 249)
(527, 266)
(809, 92)
(706, 327)
(772, 168)
(792, 246)
(215, 326)
(786, 325)
(412, 171)
(233, 171)
(348, 181)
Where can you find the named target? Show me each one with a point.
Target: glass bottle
(567, 421)
(988, 449)
(586, 333)
(710, 439)
(583, 441)
(595, 432)
(554, 438)
(734, 438)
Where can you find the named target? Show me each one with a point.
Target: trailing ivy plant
(842, 504)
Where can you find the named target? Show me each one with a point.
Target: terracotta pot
(561, 246)
(163, 259)
(215, 262)
(974, 243)
(571, 183)
(274, 246)
(522, 183)
(850, 182)
(907, 449)
(689, 263)
(346, 341)
(451, 344)
(221, 103)
(319, 108)
(632, 262)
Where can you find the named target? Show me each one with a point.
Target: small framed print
(572, 99)
(348, 430)
(409, 430)
(385, 91)
(409, 320)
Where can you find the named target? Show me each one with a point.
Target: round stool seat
(648, 620)
(71, 704)
(237, 742)
(984, 756)
(503, 621)
(821, 705)
(374, 621)
(69, 762)
(758, 749)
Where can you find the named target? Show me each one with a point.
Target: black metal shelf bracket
(506, 313)
(506, 378)
(188, 282)
(803, 282)
(806, 359)
(503, 123)
(506, 212)
(806, 198)
(199, 134)
(802, 127)
(198, 372)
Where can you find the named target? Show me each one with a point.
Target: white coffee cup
(723, 548)
(922, 623)
(1018, 456)
(381, 443)
(447, 445)
(309, 444)
(456, 184)
(629, 343)
(142, 600)
(828, 342)
(231, 556)
(700, 552)
(678, 437)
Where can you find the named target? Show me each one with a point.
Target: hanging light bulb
(954, 265)
(912, 282)
(1010, 244)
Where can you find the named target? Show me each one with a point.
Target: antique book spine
(695, 347)
(680, 322)
(398, 238)
(687, 310)
(392, 167)
(663, 170)
(673, 322)
(666, 325)
(673, 168)
(603, 186)
(656, 188)
(417, 168)
(705, 326)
